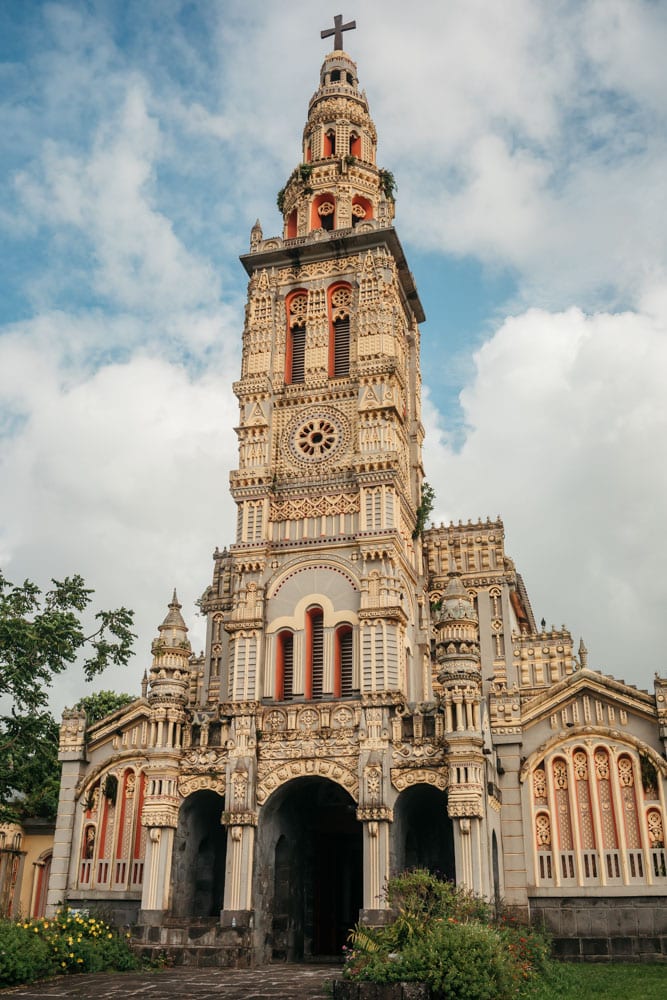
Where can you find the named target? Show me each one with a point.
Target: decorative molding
(402, 778)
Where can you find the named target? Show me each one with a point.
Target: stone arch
(422, 834)
(322, 768)
(601, 734)
(199, 856)
(308, 869)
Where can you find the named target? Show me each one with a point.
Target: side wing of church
(373, 696)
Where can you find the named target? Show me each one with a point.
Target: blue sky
(140, 140)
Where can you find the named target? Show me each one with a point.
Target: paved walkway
(271, 982)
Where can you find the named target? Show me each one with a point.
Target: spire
(337, 185)
(169, 672)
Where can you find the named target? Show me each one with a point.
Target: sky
(140, 140)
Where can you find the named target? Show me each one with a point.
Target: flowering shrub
(449, 939)
(69, 942)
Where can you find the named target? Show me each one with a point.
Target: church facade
(375, 694)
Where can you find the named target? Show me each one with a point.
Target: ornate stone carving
(375, 814)
(72, 730)
(402, 778)
(201, 782)
(299, 768)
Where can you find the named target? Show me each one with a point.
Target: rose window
(316, 438)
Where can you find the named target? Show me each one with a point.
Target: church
(375, 693)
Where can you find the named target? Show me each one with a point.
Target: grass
(604, 982)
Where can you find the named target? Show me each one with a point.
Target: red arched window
(340, 304)
(343, 662)
(285, 667)
(330, 142)
(314, 685)
(323, 212)
(361, 209)
(295, 355)
(355, 145)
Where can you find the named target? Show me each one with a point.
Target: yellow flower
(109, 935)
(63, 965)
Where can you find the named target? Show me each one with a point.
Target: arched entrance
(422, 834)
(198, 866)
(309, 875)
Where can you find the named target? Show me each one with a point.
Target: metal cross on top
(337, 30)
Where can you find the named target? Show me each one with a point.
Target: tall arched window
(330, 142)
(285, 667)
(295, 361)
(343, 666)
(314, 680)
(339, 339)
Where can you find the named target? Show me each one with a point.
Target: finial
(174, 600)
(144, 684)
(583, 655)
(337, 31)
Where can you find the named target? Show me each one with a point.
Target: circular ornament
(317, 436)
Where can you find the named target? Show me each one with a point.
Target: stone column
(73, 757)
(157, 880)
(241, 829)
(376, 830)
(470, 856)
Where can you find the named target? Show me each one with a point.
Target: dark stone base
(197, 943)
(606, 928)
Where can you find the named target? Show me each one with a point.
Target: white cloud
(567, 422)
(527, 135)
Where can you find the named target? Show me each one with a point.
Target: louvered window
(316, 653)
(285, 667)
(341, 366)
(298, 354)
(344, 637)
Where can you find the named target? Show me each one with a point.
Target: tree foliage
(41, 634)
(102, 703)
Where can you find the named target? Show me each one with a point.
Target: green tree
(41, 634)
(102, 703)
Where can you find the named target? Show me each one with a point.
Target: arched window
(314, 653)
(295, 361)
(330, 142)
(339, 338)
(362, 209)
(355, 145)
(593, 819)
(285, 667)
(323, 212)
(343, 667)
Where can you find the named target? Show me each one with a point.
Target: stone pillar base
(151, 918)
(243, 920)
(376, 918)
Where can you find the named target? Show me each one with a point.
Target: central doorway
(310, 870)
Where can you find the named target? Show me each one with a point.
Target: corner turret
(169, 673)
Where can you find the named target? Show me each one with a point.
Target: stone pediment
(590, 698)
(116, 725)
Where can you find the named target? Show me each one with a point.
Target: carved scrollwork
(402, 778)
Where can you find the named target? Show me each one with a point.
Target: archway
(423, 835)
(198, 866)
(309, 875)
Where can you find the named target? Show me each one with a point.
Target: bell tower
(318, 613)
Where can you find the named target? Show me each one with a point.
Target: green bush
(67, 943)
(23, 956)
(449, 938)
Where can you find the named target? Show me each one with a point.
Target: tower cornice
(327, 246)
